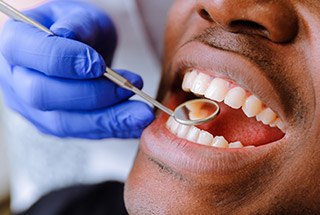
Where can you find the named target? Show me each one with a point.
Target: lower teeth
(194, 134)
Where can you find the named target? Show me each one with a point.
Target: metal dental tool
(193, 112)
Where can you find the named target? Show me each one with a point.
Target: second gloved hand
(55, 82)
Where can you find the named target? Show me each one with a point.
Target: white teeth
(183, 130)
(252, 106)
(193, 134)
(186, 83)
(201, 84)
(174, 126)
(235, 145)
(217, 90)
(205, 138)
(169, 122)
(220, 142)
(249, 147)
(188, 80)
(198, 136)
(235, 97)
(220, 90)
(278, 123)
(267, 116)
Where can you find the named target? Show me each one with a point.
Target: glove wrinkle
(54, 56)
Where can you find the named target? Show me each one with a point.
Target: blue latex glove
(55, 82)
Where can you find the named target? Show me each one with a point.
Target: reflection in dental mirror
(196, 111)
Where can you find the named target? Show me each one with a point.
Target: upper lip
(228, 65)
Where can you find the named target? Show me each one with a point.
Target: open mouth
(244, 121)
(250, 129)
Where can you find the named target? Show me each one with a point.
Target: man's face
(261, 58)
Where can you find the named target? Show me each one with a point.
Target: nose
(275, 20)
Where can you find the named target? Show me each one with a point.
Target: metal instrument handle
(123, 82)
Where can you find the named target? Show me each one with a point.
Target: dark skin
(282, 39)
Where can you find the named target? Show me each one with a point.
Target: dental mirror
(193, 112)
(196, 111)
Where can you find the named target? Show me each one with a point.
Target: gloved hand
(55, 82)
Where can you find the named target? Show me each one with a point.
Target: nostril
(246, 26)
(274, 20)
(205, 15)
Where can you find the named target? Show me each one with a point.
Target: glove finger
(125, 120)
(95, 29)
(23, 45)
(79, 21)
(6, 71)
(47, 93)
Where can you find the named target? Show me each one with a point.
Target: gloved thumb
(128, 119)
(124, 120)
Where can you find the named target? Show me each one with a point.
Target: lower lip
(182, 155)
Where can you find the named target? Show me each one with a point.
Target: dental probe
(193, 112)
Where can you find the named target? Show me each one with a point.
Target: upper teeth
(218, 89)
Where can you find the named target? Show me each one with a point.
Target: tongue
(234, 125)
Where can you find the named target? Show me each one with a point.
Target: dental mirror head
(195, 112)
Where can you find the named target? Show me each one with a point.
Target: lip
(158, 143)
(230, 66)
(181, 155)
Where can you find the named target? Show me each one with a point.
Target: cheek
(176, 25)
